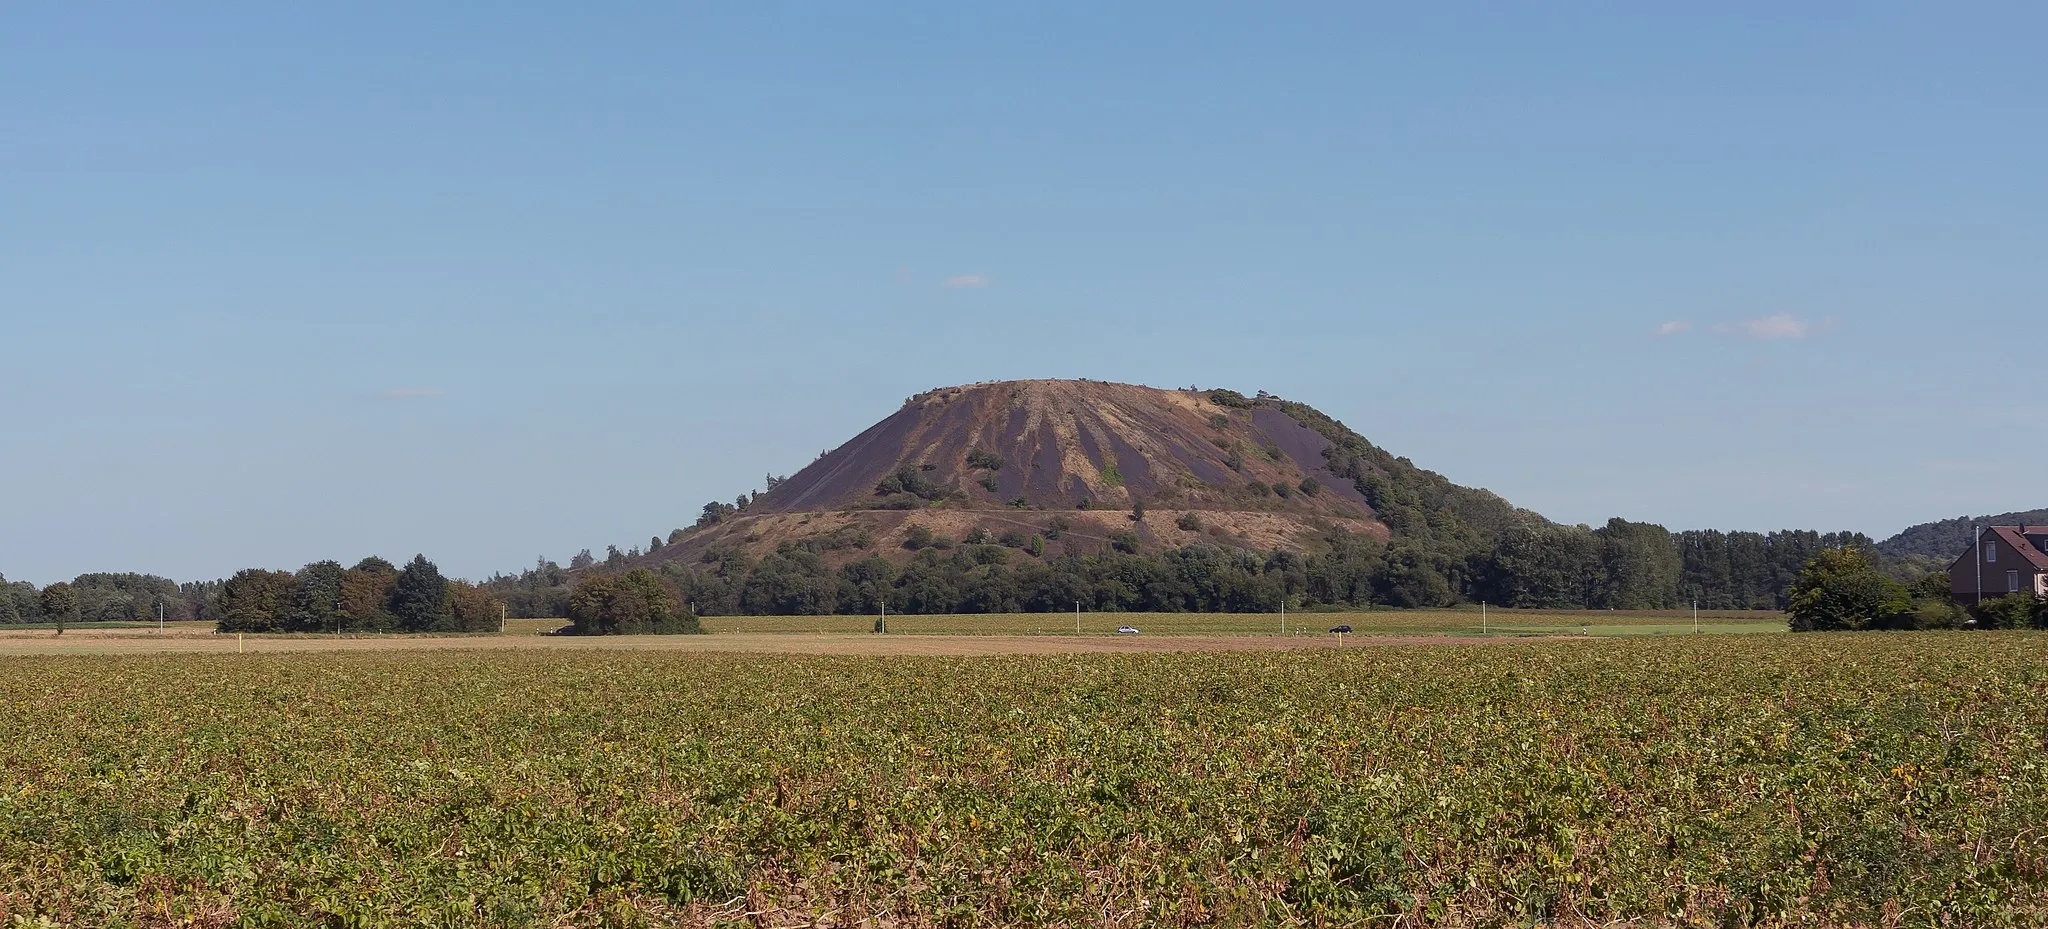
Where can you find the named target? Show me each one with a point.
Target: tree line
(1621, 565)
(106, 598)
(1846, 589)
(372, 596)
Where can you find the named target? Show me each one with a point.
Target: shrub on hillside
(916, 537)
(914, 481)
(902, 502)
(1230, 398)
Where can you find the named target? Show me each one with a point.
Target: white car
(1126, 630)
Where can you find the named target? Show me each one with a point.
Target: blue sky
(281, 282)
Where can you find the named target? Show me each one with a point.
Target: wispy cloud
(1779, 326)
(1673, 327)
(412, 393)
(958, 281)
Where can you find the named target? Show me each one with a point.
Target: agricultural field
(1461, 622)
(1850, 779)
(966, 634)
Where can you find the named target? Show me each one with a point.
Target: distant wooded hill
(1032, 495)
(1947, 538)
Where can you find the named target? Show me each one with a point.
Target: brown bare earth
(137, 642)
(1016, 455)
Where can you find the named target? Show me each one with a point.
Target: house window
(2012, 582)
(1991, 551)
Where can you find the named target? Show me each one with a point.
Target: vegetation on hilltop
(1943, 540)
(1446, 544)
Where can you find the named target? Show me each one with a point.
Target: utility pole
(1283, 615)
(1695, 616)
(1978, 534)
(501, 619)
(1482, 617)
(882, 625)
(1077, 617)
(159, 616)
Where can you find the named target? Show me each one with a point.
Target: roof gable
(2014, 539)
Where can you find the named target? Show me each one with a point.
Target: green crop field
(1462, 622)
(1874, 779)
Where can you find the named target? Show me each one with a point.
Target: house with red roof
(2003, 560)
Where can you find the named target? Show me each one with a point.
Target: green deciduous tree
(469, 608)
(365, 601)
(635, 602)
(255, 600)
(315, 604)
(1840, 589)
(417, 597)
(58, 602)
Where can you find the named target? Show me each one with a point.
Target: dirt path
(133, 642)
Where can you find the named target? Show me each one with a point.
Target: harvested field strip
(1386, 622)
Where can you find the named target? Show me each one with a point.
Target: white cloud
(1673, 327)
(1781, 326)
(411, 393)
(1771, 328)
(958, 281)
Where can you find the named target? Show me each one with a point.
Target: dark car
(1340, 628)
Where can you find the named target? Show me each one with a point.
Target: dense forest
(1941, 541)
(1532, 564)
(1621, 565)
(372, 596)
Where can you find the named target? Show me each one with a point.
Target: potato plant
(1822, 780)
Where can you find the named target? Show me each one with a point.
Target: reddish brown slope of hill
(1063, 442)
(1017, 455)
